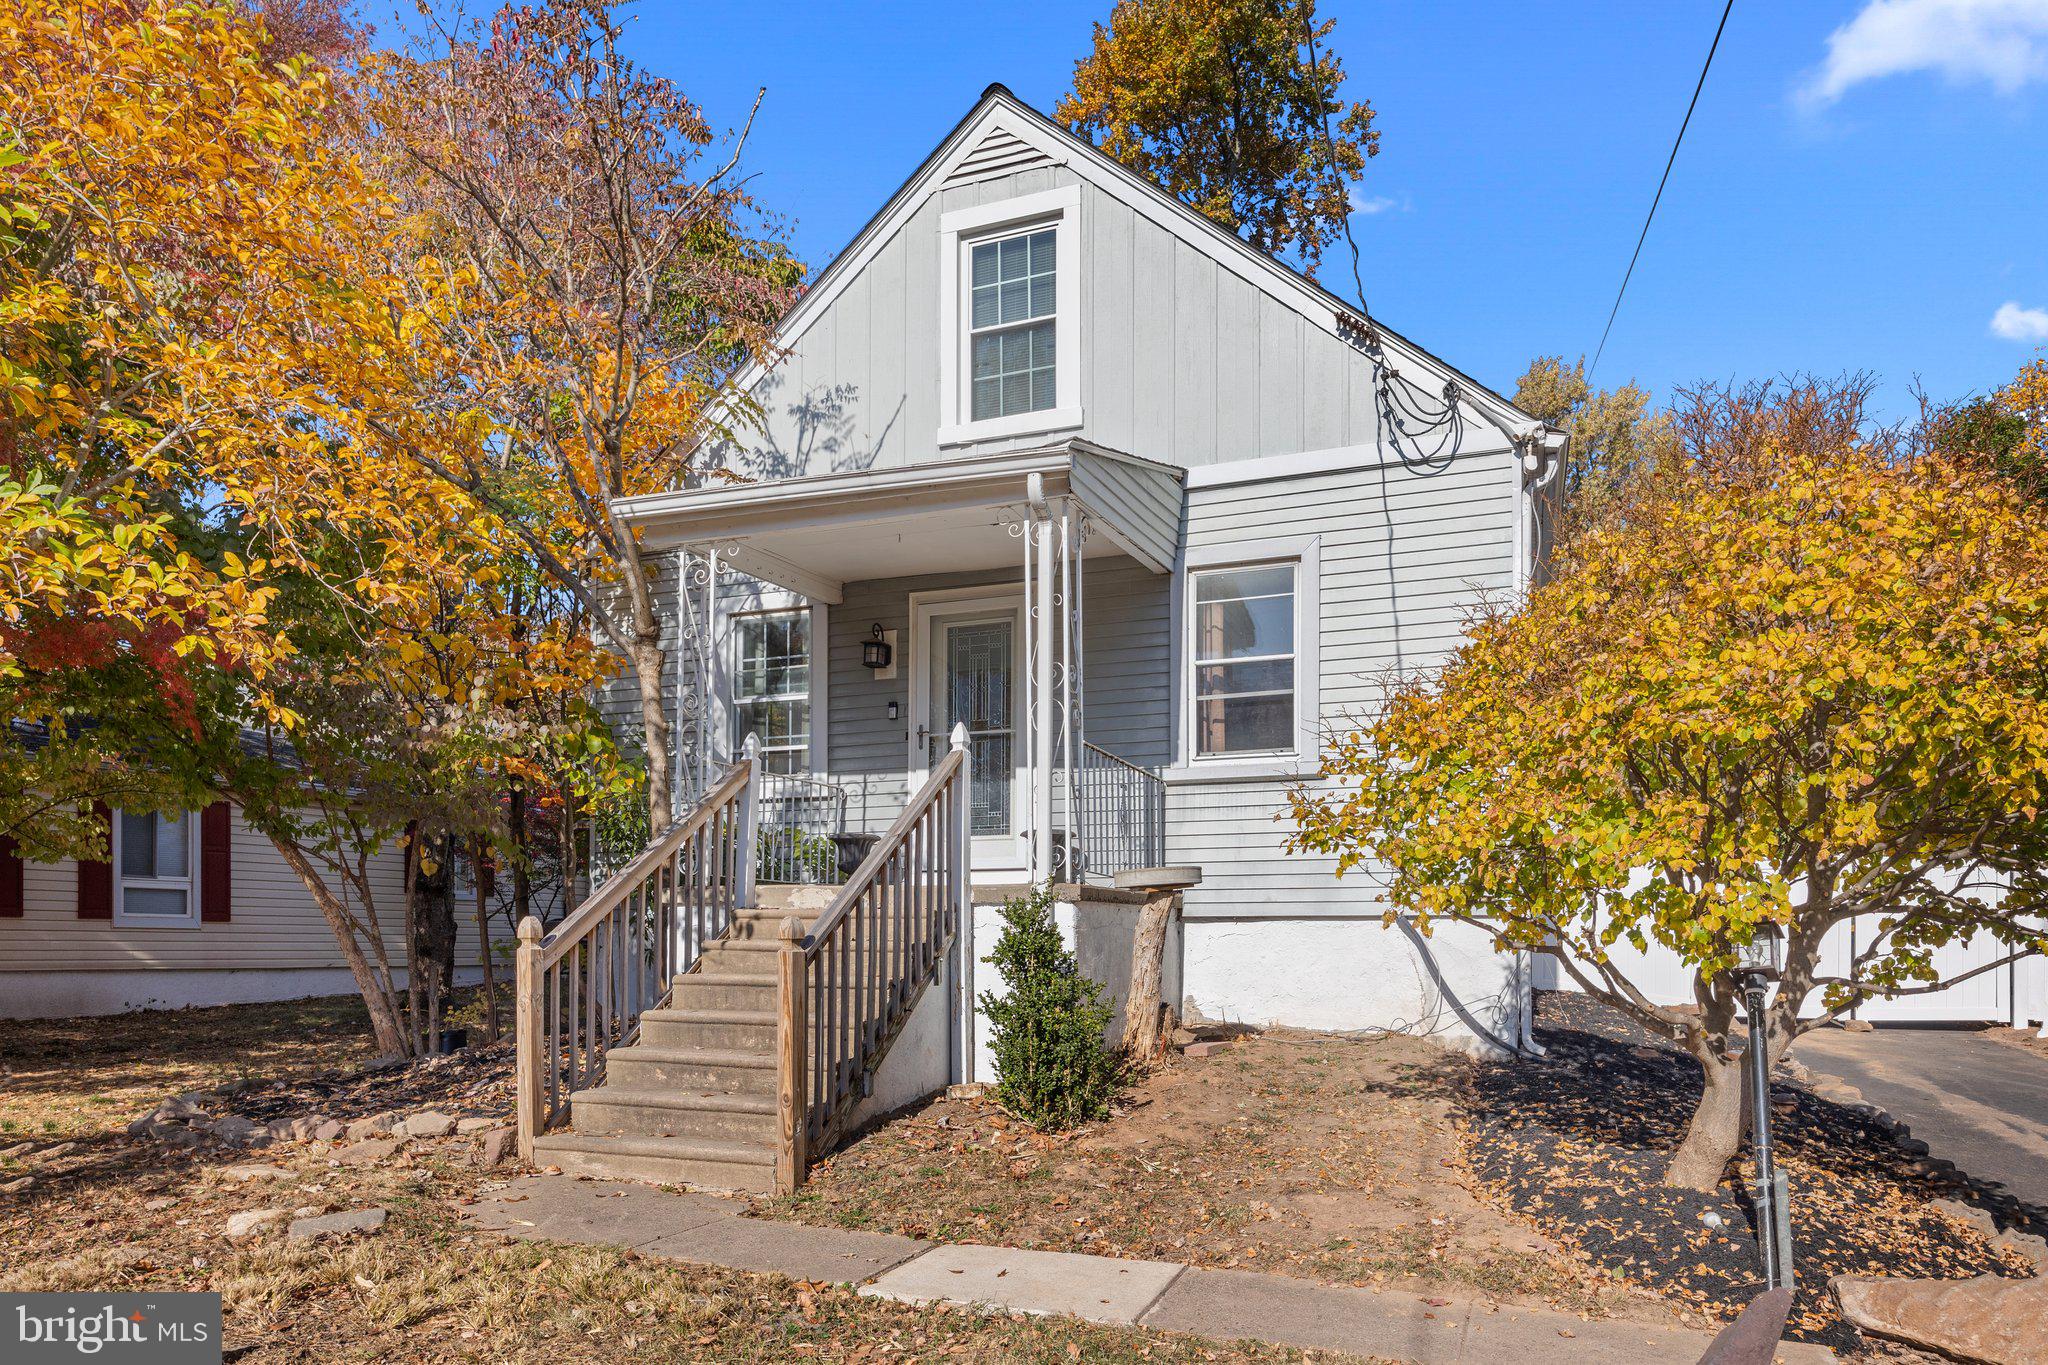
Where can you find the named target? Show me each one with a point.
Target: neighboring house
(190, 909)
(1141, 507)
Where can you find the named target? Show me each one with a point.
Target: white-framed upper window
(1013, 324)
(771, 687)
(1009, 329)
(1244, 659)
(156, 866)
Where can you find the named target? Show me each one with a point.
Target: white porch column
(1040, 639)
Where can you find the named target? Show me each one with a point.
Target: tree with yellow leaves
(576, 290)
(1801, 684)
(166, 200)
(1231, 106)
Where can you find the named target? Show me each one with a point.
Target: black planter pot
(852, 849)
(453, 1040)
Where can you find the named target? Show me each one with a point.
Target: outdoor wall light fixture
(877, 652)
(1758, 963)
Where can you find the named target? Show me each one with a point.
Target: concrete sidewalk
(1227, 1305)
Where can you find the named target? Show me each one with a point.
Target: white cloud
(2015, 323)
(1377, 203)
(2002, 42)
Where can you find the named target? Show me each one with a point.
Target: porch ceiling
(815, 534)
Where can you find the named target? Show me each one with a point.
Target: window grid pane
(771, 688)
(1244, 660)
(1014, 288)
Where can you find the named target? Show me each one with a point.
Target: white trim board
(1310, 463)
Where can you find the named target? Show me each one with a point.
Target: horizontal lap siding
(275, 923)
(1406, 555)
(1125, 647)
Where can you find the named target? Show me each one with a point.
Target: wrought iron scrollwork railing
(847, 988)
(1122, 815)
(799, 816)
(583, 986)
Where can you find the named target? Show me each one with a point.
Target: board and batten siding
(274, 925)
(1406, 552)
(1183, 360)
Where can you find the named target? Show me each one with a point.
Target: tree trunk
(654, 722)
(1148, 958)
(483, 943)
(1715, 1133)
(378, 998)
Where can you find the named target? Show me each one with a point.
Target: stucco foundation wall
(1099, 935)
(1348, 975)
(66, 995)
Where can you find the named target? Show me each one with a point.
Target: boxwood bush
(1052, 1069)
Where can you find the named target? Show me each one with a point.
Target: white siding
(274, 924)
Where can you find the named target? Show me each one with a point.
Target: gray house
(1053, 471)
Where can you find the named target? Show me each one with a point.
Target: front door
(970, 677)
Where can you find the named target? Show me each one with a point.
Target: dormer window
(1013, 306)
(1009, 327)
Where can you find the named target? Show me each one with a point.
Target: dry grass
(1305, 1155)
(70, 1077)
(113, 1214)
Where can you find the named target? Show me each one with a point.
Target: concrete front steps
(692, 1102)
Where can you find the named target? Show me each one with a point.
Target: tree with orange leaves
(576, 290)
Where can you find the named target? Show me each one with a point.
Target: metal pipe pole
(1771, 1220)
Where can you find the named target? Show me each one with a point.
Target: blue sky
(1873, 202)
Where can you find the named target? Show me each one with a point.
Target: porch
(849, 621)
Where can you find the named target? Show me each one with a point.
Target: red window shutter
(96, 880)
(216, 864)
(13, 899)
(487, 873)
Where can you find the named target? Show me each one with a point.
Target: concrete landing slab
(802, 1253)
(594, 1212)
(1092, 1287)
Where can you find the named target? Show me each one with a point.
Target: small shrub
(1052, 1069)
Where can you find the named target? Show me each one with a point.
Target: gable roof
(1001, 135)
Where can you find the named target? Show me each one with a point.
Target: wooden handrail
(583, 988)
(558, 940)
(846, 989)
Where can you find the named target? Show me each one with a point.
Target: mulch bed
(1577, 1144)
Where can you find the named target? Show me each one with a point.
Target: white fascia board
(687, 516)
(1309, 463)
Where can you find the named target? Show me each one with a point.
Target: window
(771, 689)
(1012, 304)
(154, 858)
(1244, 660)
(1009, 328)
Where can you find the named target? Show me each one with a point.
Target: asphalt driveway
(1980, 1104)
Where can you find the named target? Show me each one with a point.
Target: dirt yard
(1300, 1154)
(96, 1209)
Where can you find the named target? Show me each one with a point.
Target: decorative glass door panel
(978, 690)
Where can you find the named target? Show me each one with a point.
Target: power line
(1669, 161)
